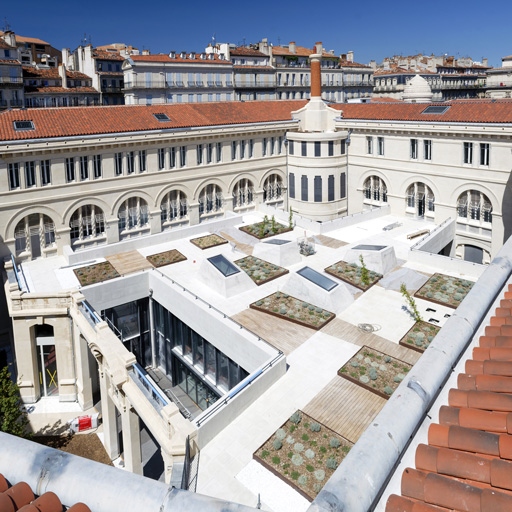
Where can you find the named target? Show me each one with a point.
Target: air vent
(436, 109)
(23, 125)
(162, 117)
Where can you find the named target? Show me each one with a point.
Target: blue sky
(373, 30)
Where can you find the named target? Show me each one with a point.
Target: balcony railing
(252, 85)
(111, 89)
(11, 79)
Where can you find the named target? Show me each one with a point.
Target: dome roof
(417, 90)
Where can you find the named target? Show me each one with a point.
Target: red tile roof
(20, 495)
(77, 121)
(107, 55)
(165, 58)
(24, 39)
(57, 89)
(467, 111)
(300, 51)
(5, 46)
(242, 51)
(29, 72)
(467, 464)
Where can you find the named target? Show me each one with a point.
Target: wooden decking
(282, 334)
(348, 332)
(128, 262)
(245, 248)
(328, 241)
(345, 408)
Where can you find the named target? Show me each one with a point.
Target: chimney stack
(316, 75)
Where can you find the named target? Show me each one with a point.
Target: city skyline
(367, 29)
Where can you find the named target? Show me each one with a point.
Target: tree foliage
(13, 417)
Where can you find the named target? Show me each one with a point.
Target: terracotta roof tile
(467, 464)
(62, 122)
(25, 39)
(107, 55)
(165, 58)
(242, 51)
(20, 497)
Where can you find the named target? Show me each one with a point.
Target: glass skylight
(436, 109)
(276, 241)
(223, 265)
(364, 247)
(23, 125)
(162, 117)
(317, 278)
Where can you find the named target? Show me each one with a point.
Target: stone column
(131, 440)
(108, 414)
(112, 230)
(26, 361)
(193, 213)
(83, 371)
(65, 362)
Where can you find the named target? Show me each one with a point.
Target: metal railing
(89, 313)
(152, 392)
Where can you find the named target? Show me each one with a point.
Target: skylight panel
(317, 278)
(23, 125)
(162, 117)
(223, 265)
(436, 109)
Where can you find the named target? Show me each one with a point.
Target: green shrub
(310, 468)
(295, 475)
(276, 460)
(331, 463)
(334, 442)
(296, 417)
(305, 437)
(264, 454)
(323, 449)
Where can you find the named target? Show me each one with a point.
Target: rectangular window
(161, 158)
(251, 148)
(468, 152)
(14, 176)
(330, 187)
(484, 154)
(130, 160)
(183, 156)
(233, 150)
(97, 166)
(380, 146)
(304, 188)
(209, 153)
(172, 157)
(272, 145)
(264, 147)
(304, 149)
(427, 149)
(343, 185)
(414, 149)
(199, 154)
(218, 151)
(242, 149)
(317, 186)
(369, 145)
(118, 159)
(70, 170)
(142, 161)
(84, 168)
(291, 185)
(318, 149)
(290, 147)
(343, 147)
(280, 145)
(330, 148)
(30, 174)
(46, 175)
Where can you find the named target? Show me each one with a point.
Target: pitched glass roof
(317, 278)
(223, 265)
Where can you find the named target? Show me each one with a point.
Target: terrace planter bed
(419, 336)
(303, 453)
(166, 258)
(265, 229)
(351, 274)
(375, 371)
(295, 310)
(445, 290)
(96, 273)
(208, 241)
(260, 271)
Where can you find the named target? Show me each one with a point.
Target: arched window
(475, 206)
(375, 190)
(243, 193)
(87, 223)
(174, 207)
(420, 200)
(210, 200)
(133, 215)
(273, 188)
(34, 233)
